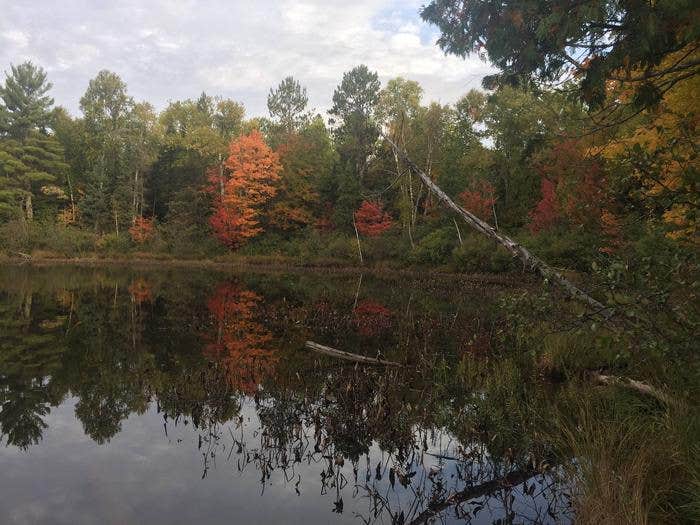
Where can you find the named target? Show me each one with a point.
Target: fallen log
(633, 384)
(340, 354)
(529, 260)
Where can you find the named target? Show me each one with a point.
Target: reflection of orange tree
(241, 342)
(371, 318)
(140, 291)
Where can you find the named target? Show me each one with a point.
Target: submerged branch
(340, 354)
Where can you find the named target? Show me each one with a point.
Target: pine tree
(30, 158)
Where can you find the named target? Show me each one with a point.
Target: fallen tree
(529, 260)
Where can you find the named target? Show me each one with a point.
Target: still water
(142, 395)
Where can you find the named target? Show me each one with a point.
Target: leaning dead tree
(529, 260)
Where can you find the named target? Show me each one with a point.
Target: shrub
(478, 254)
(435, 247)
(20, 236)
(114, 244)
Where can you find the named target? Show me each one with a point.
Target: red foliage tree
(546, 213)
(479, 200)
(572, 188)
(142, 230)
(253, 171)
(371, 219)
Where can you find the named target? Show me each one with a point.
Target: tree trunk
(529, 260)
(357, 236)
(221, 176)
(134, 200)
(29, 208)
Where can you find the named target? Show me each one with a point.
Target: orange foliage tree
(140, 291)
(371, 219)
(240, 342)
(253, 171)
(142, 230)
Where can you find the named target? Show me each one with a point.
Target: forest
(596, 172)
(571, 174)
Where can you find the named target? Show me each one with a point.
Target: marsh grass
(630, 460)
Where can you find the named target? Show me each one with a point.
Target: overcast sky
(175, 49)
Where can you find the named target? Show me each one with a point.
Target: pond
(184, 395)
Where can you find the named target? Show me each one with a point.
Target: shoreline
(278, 266)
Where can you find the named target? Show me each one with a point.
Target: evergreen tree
(30, 158)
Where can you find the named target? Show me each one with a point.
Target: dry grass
(629, 465)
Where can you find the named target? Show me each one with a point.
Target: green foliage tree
(25, 103)
(30, 158)
(597, 41)
(355, 132)
(287, 105)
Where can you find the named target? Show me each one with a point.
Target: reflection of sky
(142, 476)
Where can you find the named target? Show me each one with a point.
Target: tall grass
(630, 459)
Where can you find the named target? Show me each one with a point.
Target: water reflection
(172, 365)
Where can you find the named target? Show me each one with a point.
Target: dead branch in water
(508, 481)
(340, 354)
(529, 260)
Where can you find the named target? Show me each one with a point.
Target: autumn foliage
(371, 318)
(479, 200)
(572, 188)
(371, 219)
(296, 198)
(240, 343)
(546, 213)
(140, 291)
(252, 171)
(142, 230)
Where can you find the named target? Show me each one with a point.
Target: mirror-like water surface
(183, 396)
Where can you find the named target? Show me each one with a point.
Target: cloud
(174, 49)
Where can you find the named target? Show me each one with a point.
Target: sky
(174, 49)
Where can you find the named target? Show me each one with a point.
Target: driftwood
(639, 386)
(340, 354)
(529, 260)
(510, 480)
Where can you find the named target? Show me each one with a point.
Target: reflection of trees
(241, 343)
(30, 354)
(371, 318)
(418, 442)
(333, 419)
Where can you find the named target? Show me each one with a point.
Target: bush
(435, 247)
(478, 254)
(19, 236)
(575, 250)
(114, 244)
